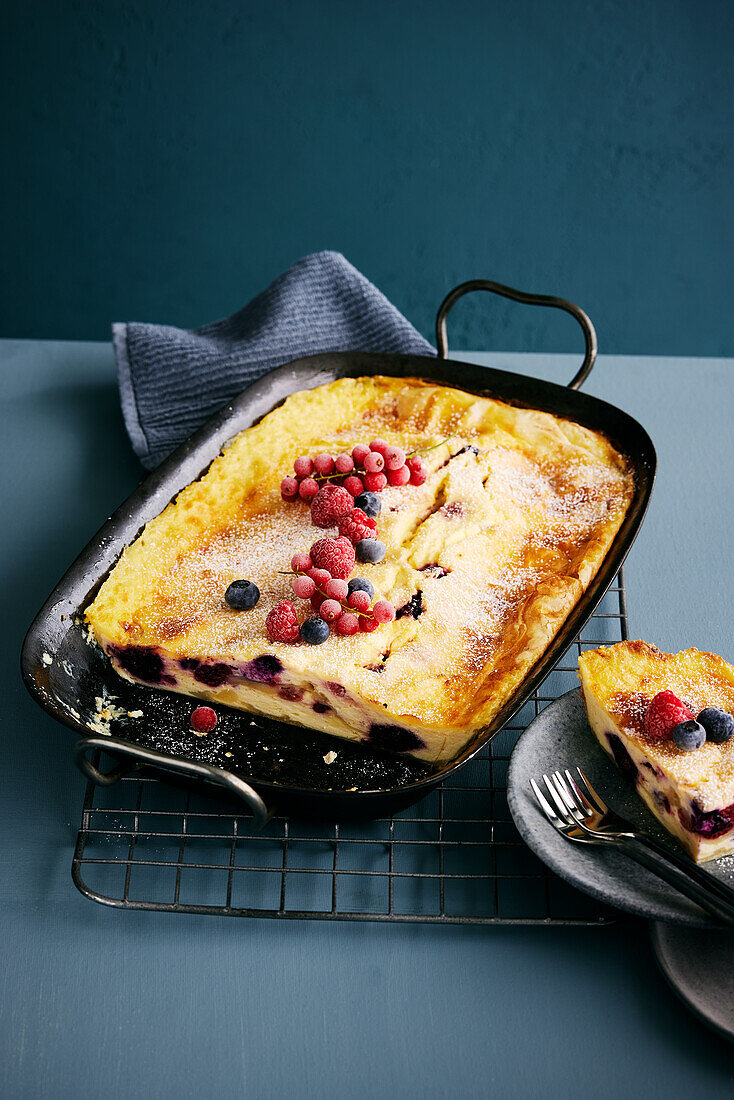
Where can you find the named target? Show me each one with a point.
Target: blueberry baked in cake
(381, 559)
(667, 721)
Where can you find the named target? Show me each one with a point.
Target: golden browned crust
(500, 544)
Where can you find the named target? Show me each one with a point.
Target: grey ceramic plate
(560, 738)
(700, 968)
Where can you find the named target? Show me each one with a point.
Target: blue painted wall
(164, 159)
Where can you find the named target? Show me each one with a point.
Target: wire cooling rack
(453, 858)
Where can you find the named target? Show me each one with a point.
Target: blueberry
(242, 595)
(361, 584)
(371, 550)
(370, 504)
(718, 724)
(315, 631)
(689, 735)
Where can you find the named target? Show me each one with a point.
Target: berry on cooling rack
(330, 610)
(241, 595)
(361, 584)
(370, 550)
(400, 476)
(308, 489)
(718, 724)
(315, 631)
(203, 720)
(354, 485)
(664, 712)
(331, 502)
(689, 735)
(281, 623)
(374, 483)
(355, 525)
(289, 489)
(369, 503)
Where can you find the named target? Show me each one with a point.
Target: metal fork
(582, 815)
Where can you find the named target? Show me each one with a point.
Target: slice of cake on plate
(666, 721)
(382, 559)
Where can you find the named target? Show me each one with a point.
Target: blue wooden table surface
(99, 1002)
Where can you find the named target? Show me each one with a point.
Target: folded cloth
(172, 380)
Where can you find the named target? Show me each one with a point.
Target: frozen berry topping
(689, 735)
(355, 525)
(331, 502)
(718, 724)
(334, 555)
(664, 712)
(281, 623)
(242, 595)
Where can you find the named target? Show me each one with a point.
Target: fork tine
(579, 797)
(545, 805)
(572, 808)
(562, 808)
(596, 801)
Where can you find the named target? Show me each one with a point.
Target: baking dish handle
(529, 299)
(139, 757)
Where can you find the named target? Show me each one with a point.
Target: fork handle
(686, 876)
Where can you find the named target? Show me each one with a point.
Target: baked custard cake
(492, 522)
(666, 721)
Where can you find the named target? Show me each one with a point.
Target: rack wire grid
(453, 858)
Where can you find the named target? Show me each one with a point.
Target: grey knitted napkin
(172, 380)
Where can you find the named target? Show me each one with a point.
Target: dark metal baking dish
(271, 765)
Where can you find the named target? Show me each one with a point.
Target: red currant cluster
(367, 468)
(321, 577)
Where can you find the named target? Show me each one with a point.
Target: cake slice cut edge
(690, 793)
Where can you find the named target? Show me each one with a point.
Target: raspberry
(330, 610)
(374, 483)
(289, 488)
(304, 587)
(303, 466)
(379, 446)
(359, 600)
(203, 720)
(344, 464)
(374, 463)
(359, 453)
(320, 577)
(301, 563)
(394, 458)
(353, 485)
(355, 525)
(347, 623)
(308, 488)
(367, 625)
(281, 623)
(418, 475)
(401, 476)
(324, 464)
(664, 713)
(336, 555)
(337, 589)
(330, 502)
(383, 611)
